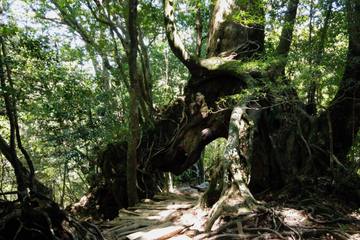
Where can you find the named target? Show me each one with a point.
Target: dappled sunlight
(194, 218)
(162, 215)
(294, 217)
(158, 233)
(355, 215)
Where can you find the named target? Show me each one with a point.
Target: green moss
(239, 67)
(213, 63)
(234, 66)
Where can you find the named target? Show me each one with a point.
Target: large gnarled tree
(272, 136)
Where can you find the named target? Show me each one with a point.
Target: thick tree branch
(174, 38)
(199, 29)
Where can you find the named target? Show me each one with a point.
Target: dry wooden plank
(161, 197)
(157, 234)
(147, 212)
(128, 227)
(163, 207)
(123, 210)
(154, 216)
(180, 237)
(114, 223)
(151, 219)
(123, 235)
(123, 218)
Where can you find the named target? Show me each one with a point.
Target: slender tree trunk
(16, 122)
(9, 151)
(201, 169)
(318, 55)
(174, 38)
(145, 67)
(198, 28)
(133, 142)
(288, 29)
(169, 183)
(312, 89)
(166, 70)
(62, 198)
(283, 48)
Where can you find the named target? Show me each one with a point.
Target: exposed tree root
(40, 218)
(235, 196)
(284, 223)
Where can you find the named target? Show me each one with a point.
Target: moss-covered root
(231, 203)
(236, 197)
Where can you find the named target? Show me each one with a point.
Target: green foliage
(354, 155)
(249, 13)
(211, 154)
(67, 113)
(213, 151)
(302, 67)
(62, 112)
(7, 178)
(169, 74)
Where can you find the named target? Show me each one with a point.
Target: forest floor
(177, 216)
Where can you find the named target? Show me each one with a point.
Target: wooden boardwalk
(166, 216)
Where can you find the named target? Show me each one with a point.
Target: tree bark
(231, 38)
(199, 29)
(134, 136)
(288, 28)
(174, 39)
